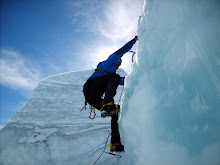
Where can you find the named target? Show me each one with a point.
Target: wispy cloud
(86, 13)
(121, 19)
(16, 71)
(113, 19)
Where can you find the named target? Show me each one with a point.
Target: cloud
(85, 13)
(17, 72)
(121, 19)
(114, 19)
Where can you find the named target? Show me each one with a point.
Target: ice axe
(132, 55)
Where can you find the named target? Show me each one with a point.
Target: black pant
(93, 91)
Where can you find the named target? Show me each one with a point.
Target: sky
(40, 38)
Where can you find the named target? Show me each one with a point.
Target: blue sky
(40, 38)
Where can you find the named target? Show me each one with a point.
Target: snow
(171, 101)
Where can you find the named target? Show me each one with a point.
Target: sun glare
(105, 52)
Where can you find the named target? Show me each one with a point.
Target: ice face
(171, 108)
(50, 129)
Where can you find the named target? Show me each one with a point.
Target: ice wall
(171, 109)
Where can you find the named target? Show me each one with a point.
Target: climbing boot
(116, 147)
(109, 109)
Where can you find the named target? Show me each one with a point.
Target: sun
(105, 52)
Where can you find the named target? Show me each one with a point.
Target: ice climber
(105, 80)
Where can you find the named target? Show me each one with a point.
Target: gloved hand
(136, 37)
(122, 80)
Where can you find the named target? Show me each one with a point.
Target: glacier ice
(171, 108)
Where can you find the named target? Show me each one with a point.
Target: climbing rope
(104, 148)
(108, 137)
(121, 95)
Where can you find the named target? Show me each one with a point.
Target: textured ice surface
(171, 109)
(50, 129)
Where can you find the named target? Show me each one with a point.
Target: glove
(122, 80)
(136, 37)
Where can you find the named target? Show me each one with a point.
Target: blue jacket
(109, 65)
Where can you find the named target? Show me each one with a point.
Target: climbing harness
(106, 73)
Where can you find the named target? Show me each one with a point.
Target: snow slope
(171, 109)
(50, 129)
